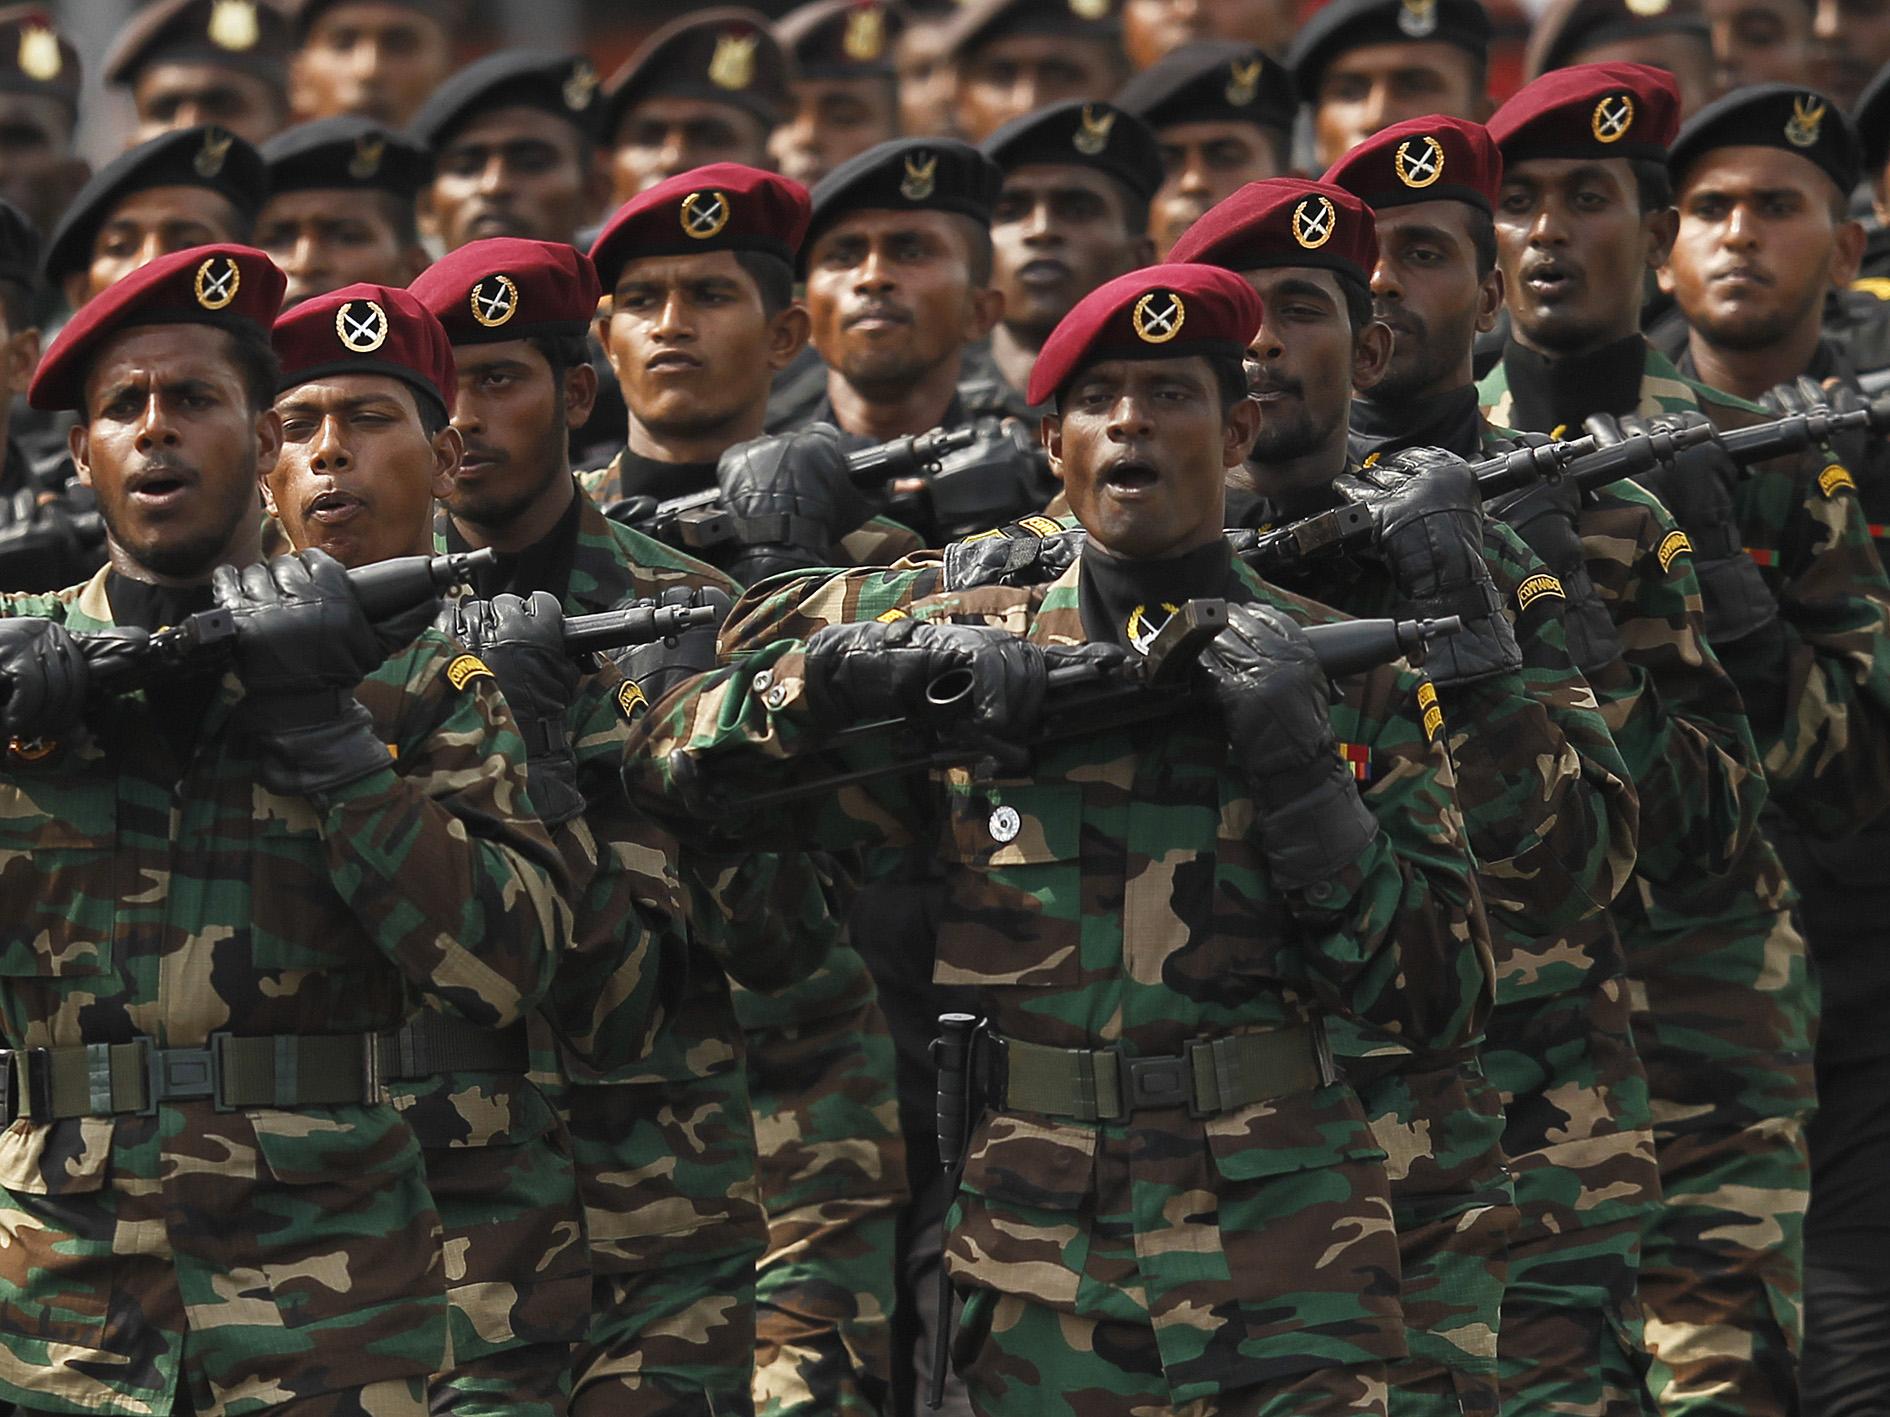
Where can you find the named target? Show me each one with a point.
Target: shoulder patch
(464, 669)
(1537, 586)
(1357, 757)
(1878, 286)
(1834, 479)
(1671, 545)
(1042, 525)
(886, 617)
(1432, 710)
(631, 700)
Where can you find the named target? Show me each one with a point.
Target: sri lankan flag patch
(464, 669)
(1432, 711)
(1834, 479)
(1357, 757)
(1671, 545)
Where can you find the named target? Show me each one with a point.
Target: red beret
(366, 329)
(1159, 312)
(1590, 110)
(225, 285)
(722, 207)
(1285, 221)
(1433, 159)
(507, 287)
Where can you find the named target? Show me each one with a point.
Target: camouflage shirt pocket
(60, 871)
(1012, 910)
(1020, 1225)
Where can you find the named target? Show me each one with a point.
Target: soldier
(19, 336)
(340, 208)
(187, 188)
(39, 111)
(514, 140)
(188, 62)
(1871, 118)
(1223, 115)
(1672, 35)
(708, 87)
(1726, 1008)
(1154, 29)
(1072, 214)
(378, 59)
(844, 96)
(1850, 42)
(1362, 65)
(1761, 180)
(1138, 1229)
(1760, 41)
(1559, 1048)
(1012, 57)
(1548, 860)
(239, 1219)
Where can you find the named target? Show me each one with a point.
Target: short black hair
(1652, 185)
(433, 415)
(256, 362)
(773, 278)
(1358, 303)
(980, 257)
(561, 352)
(1482, 227)
(16, 306)
(399, 212)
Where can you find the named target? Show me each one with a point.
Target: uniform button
(1321, 891)
(775, 697)
(762, 680)
(1005, 824)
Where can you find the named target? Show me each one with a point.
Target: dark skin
(149, 224)
(666, 136)
(1151, 28)
(1760, 41)
(1688, 57)
(358, 473)
(514, 481)
(926, 79)
(512, 171)
(682, 336)
(325, 238)
(1144, 447)
(1303, 367)
(1057, 233)
(19, 357)
(1006, 78)
(832, 120)
(1375, 85)
(1759, 245)
(1428, 293)
(38, 172)
(1574, 248)
(377, 59)
(182, 95)
(893, 303)
(1850, 42)
(1206, 162)
(168, 441)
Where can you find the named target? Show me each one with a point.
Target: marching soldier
(39, 102)
(375, 59)
(1012, 57)
(1672, 35)
(844, 95)
(226, 1212)
(190, 62)
(1154, 29)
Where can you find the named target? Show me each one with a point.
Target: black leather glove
(1806, 395)
(1002, 476)
(792, 500)
(522, 643)
(1009, 560)
(1274, 696)
(874, 669)
(1429, 518)
(302, 645)
(45, 676)
(1546, 516)
(1697, 488)
(658, 668)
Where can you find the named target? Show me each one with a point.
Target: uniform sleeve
(440, 854)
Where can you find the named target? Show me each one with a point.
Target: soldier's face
(1375, 85)
(1575, 249)
(1206, 163)
(1428, 293)
(1302, 365)
(1688, 57)
(1143, 447)
(512, 171)
(831, 121)
(1850, 42)
(38, 172)
(169, 442)
(1760, 41)
(358, 471)
(665, 137)
(1151, 28)
(379, 60)
(891, 296)
(926, 79)
(153, 223)
(1018, 74)
(512, 417)
(324, 239)
(1759, 245)
(172, 96)
(1057, 233)
(683, 337)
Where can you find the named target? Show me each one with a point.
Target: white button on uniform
(1005, 824)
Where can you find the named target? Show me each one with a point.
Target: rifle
(1797, 431)
(644, 623)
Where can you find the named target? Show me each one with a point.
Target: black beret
(1079, 134)
(1352, 24)
(345, 152)
(1211, 81)
(19, 247)
(1871, 118)
(204, 156)
(251, 35)
(836, 39)
(35, 58)
(1569, 28)
(906, 174)
(726, 56)
(304, 13)
(561, 84)
(981, 21)
(1784, 116)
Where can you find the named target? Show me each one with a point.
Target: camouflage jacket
(1131, 907)
(153, 898)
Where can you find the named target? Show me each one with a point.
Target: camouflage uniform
(267, 1253)
(1130, 1265)
(1725, 1008)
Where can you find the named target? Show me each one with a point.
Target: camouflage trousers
(1723, 1278)
(674, 1341)
(398, 1398)
(1020, 1359)
(823, 1333)
(1581, 1150)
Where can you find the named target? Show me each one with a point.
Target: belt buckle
(184, 1075)
(1161, 1082)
